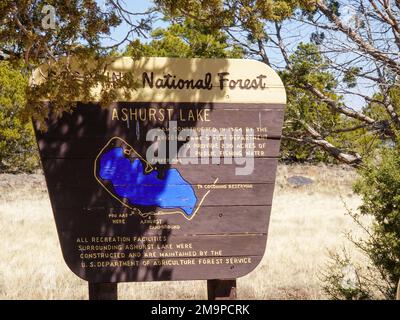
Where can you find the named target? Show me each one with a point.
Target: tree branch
(336, 106)
(369, 49)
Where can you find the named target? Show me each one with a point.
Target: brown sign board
(196, 213)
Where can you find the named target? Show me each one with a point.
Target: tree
(53, 32)
(302, 141)
(188, 39)
(17, 143)
(80, 27)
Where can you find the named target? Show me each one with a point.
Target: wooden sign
(175, 184)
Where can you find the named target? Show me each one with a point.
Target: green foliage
(17, 143)
(345, 281)
(308, 66)
(79, 29)
(365, 141)
(334, 5)
(379, 188)
(64, 86)
(251, 15)
(215, 10)
(190, 39)
(350, 76)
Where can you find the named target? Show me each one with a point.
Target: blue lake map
(130, 181)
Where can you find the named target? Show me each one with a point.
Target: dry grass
(306, 222)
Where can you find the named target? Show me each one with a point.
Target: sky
(134, 6)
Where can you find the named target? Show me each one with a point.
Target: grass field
(306, 223)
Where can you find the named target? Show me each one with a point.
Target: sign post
(103, 291)
(221, 289)
(175, 183)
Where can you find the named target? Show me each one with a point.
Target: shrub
(18, 151)
(379, 187)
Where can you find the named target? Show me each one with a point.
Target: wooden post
(103, 291)
(398, 291)
(221, 289)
